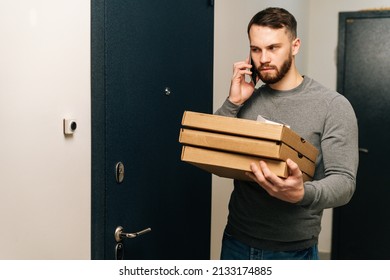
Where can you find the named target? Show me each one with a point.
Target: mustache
(266, 66)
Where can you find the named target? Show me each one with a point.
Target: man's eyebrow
(269, 46)
(274, 45)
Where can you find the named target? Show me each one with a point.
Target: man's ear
(295, 46)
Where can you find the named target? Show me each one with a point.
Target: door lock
(119, 172)
(119, 234)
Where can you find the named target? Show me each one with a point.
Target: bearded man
(272, 217)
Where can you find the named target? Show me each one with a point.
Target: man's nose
(264, 58)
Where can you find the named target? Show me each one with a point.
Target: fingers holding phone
(240, 89)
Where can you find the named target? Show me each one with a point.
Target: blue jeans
(232, 249)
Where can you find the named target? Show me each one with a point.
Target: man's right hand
(240, 90)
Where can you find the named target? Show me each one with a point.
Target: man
(275, 218)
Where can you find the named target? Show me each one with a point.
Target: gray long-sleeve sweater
(327, 120)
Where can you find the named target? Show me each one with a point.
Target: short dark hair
(275, 18)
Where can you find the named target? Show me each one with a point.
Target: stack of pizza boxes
(227, 146)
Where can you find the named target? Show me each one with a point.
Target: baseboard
(324, 255)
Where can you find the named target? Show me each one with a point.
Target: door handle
(363, 150)
(119, 234)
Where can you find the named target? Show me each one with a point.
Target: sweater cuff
(308, 196)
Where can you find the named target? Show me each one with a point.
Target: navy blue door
(151, 61)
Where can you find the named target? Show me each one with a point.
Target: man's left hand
(289, 189)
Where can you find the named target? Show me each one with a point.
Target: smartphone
(255, 74)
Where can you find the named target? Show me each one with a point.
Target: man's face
(271, 52)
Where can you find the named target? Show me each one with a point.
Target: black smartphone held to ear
(255, 73)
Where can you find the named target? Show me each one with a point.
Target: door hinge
(212, 3)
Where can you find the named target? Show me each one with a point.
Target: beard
(269, 78)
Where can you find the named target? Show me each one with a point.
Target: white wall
(44, 176)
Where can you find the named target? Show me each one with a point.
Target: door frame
(98, 129)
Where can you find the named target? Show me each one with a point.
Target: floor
(324, 255)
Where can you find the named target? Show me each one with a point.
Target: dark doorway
(362, 227)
